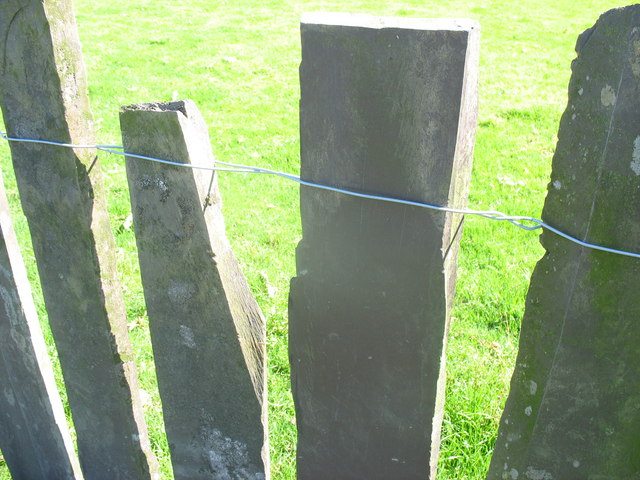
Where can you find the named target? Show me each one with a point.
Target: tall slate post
(574, 407)
(44, 96)
(34, 435)
(207, 331)
(388, 107)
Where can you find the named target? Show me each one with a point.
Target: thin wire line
(56, 144)
(517, 220)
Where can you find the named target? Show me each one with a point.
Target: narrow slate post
(44, 96)
(207, 330)
(34, 436)
(388, 107)
(574, 407)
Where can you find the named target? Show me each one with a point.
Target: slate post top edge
(362, 20)
(183, 106)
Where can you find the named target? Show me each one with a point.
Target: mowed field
(238, 60)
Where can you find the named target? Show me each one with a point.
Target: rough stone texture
(388, 106)
(574, 407)
(34, 436)
(43, 94)
(207, 330)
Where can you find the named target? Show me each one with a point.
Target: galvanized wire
(521, 221)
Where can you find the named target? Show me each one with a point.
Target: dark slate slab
(574, 407)
(34, 436)
(43, 92)
(388, 106)
(207, 330)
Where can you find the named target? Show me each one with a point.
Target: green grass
(238, 61)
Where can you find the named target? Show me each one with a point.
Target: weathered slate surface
(34, 436)
(574, 407)
(43, 95)
(207, 330)
(388, 106)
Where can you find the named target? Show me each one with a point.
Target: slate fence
(387, 106)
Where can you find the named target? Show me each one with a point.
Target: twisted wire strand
(521, 221)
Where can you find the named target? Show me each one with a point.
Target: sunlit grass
(238, 61)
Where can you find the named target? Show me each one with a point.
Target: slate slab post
(207, 331)
(44, 96)
(34, 436)
(574, 407)
(388, 107)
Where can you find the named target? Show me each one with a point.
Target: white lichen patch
(576, 464)
(533, 386)
(186, 334)
(180, 292)
(528, 411)
(511, 474)
(150, 182)
(608, 96)
(581, 91)
(8, 395)
(557, 184)
(228, 458)
(635, 161)
(534, 474)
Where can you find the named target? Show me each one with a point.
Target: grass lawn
(238, 61)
